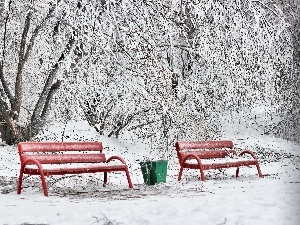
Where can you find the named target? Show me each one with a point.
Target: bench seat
(65, 158)
(219, 163)
(75, 170)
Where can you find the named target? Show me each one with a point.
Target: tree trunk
(10, 104)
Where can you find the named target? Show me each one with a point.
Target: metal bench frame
(212, 149)
(89, 153)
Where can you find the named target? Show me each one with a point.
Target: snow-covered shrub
(171, 66)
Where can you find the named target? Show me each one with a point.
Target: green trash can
(154, 172)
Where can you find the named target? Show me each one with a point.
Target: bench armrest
(116, 157)
(248, 152)
(189, 156)
(193, 156)
(31, 161)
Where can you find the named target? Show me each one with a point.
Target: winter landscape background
(140, 75)
(221, 199)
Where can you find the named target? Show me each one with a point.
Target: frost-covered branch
(2, 79)
(36, 32)
(47, 93)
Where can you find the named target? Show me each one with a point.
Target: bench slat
(65, 158)
(76, 170)
(212, 144)
(209, 154)
(220, 165)
(58, 146)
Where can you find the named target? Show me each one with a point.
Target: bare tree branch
(35, 33)
(54, 88)
(3, 81)
(5, 30)
(18, 85)
(47, 87)
(40, 121)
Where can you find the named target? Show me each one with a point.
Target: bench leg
(202, 174)
(180, 173)
(237, 172)
(105, 179)
(128, 178)
(127, 175)
(259, 171)
(20, 182)
(42, 176)
(44, 184)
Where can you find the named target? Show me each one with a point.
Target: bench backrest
(61, 152)
(204, 149)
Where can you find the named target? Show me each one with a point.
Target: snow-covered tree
(130, 82)
(33, 51)
(162, 70)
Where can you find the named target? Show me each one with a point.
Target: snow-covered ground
(221, 199)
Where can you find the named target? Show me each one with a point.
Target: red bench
(60, 158)
(206, 155)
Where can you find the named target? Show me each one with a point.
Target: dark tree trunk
(10, 103)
